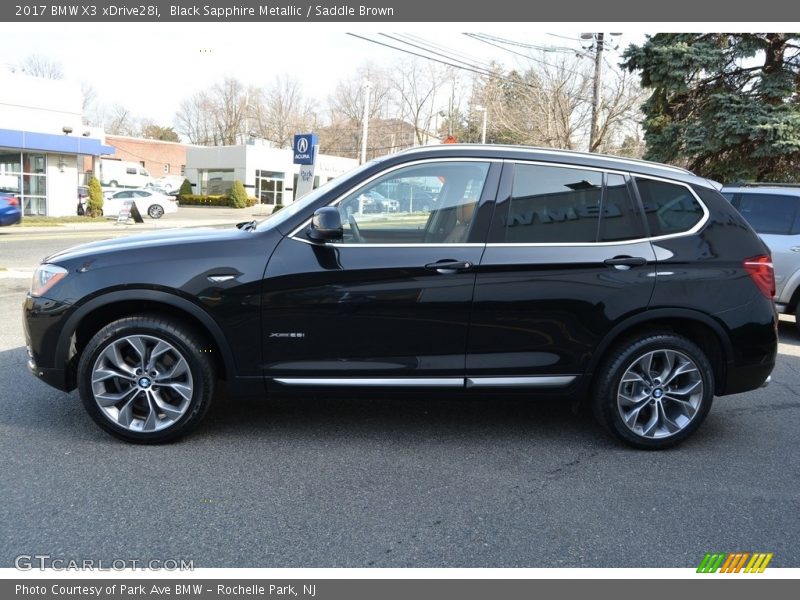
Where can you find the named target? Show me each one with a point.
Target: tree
(186, 189)
(158, 132)
(727, 106)
(217, 117)
(238, 195)
(41, 66)
(280, 110)
(120, 121)
(94, 206)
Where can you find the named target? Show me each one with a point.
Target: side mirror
(326, 225)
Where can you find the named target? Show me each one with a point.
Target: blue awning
(48, 142)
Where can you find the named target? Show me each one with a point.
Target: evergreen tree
(727, 106)
(94, 206)
(238, 195)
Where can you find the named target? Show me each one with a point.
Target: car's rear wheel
(113, 183)
(146, 379)
(156, 211)
(654, 390)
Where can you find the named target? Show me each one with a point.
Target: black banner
(388, 589)
(399, 11)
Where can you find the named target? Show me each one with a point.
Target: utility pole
(365, 122)
(598, 74)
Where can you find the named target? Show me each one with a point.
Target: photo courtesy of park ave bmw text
(330, 300)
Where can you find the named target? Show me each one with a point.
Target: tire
(156, 211)
(641, 406)
(120, 381)
(797, 317)
(113, 183)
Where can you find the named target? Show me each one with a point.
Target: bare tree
(280, 110)
(216, 117)
(416, 85)
(38, 65)
(120, 121)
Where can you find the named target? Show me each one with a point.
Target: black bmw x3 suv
(631, 285)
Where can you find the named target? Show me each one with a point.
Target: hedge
(203, 200)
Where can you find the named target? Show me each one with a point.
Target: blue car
(10, 209)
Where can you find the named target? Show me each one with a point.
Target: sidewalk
(187, 216)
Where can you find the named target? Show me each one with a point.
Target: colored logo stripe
(734, 562)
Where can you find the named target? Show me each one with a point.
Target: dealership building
(43, 142)
(46, 152)
(267, 173)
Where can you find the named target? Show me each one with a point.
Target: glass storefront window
(216, 182)
(34, 185)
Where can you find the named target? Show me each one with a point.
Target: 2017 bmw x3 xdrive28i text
(634, 285)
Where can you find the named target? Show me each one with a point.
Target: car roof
(587, 159)
(788, 190)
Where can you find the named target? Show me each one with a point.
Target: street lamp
(484, 110)
(365, 122)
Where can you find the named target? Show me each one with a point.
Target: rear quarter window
(668, 207)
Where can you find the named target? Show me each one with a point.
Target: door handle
(449, 266)
(795, 248)
(623, 263)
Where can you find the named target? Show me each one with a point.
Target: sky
(151, 67)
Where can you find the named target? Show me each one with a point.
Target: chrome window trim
(421, 161)
(695, 228)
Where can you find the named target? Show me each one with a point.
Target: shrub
(94, 205)
(238, 195)
(251, 201)
(200, 200)
(186, 189)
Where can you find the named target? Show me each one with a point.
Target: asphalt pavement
(444, 481)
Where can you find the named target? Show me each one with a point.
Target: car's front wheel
(654, 390)
(146, 379)
(156, 211)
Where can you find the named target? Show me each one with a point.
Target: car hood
(147, 241)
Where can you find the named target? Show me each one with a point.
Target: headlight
(45, 277)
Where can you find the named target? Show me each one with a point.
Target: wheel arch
(698, 327)
(101, 310)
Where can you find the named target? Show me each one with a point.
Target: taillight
(762, 273)
(13, 201)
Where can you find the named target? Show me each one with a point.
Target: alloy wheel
(142, 383)
(660, 393)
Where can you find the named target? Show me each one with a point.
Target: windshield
(298, 206)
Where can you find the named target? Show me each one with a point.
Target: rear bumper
(745, 379)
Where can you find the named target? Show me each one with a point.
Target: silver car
(774, 212)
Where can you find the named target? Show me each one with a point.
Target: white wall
(62, 197)
(40, 105)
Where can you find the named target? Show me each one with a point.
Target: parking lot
(443, 481)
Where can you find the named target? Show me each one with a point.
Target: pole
(598, 68)
(365, 122)
(483, 129)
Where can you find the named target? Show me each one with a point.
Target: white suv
(774, 212)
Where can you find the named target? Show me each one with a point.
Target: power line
(479, 71)
(472, 59)
(526, 56)
(427, 50)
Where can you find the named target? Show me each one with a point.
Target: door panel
(366, 311)
(565, 262)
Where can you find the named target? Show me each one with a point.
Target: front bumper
(43, 322)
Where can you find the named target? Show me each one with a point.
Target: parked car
(148, 201)
(10, 208)
(170, 183)
(123, 173)
(633, 286)
(774, 212)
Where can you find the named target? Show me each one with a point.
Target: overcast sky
(151, 67)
